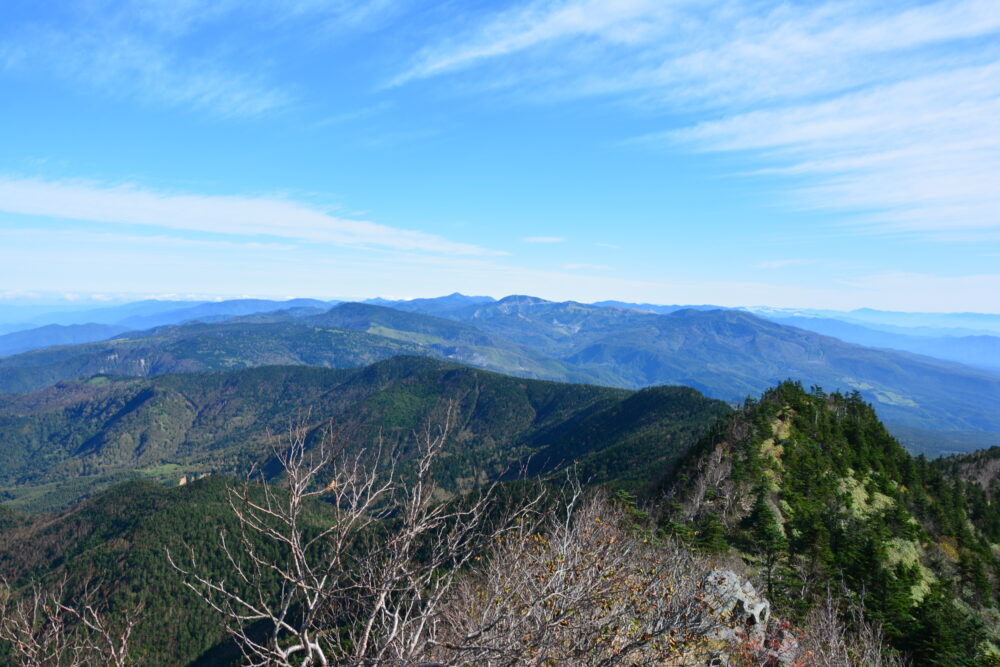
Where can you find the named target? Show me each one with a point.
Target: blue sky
(810, 154)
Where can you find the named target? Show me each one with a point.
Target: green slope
(451, 340)
(724, 354)
(116, 543)
(199, 347)
(731, 354)
(812, 488)
(808, 487)
(63, 442)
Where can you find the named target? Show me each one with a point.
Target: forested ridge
(814, 489)
(725, 354)
(803, 492)
(65, 442)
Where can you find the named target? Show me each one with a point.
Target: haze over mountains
(726, 354)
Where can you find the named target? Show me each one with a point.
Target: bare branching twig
(43, 628)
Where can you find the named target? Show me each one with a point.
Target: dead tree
(364, 587)
(833, 643)
(43, 628)
(578, 589)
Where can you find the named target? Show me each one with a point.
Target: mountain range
(726, 354)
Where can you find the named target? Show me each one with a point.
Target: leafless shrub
(363, 589)
(45, 629)
(579, 589)
(831, 643)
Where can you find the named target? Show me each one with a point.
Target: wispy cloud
(544, 239)
(533, 25)
(179, 53)
(887, 112)
(231, 215)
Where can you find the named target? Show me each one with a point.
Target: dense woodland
(857, 545)
(814, 488)
(67, 441)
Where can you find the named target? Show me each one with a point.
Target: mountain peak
(522, 300)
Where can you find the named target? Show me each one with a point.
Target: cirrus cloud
(218, 214)
(885, 112)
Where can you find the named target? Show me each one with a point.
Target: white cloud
(11, 295)
(231, 215)
(888, 112)
(544, 239)
(533, 25)
(927, 292)
(180, 53)
(49, 237)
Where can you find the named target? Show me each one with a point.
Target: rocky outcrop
(736, 603)
(744, 621)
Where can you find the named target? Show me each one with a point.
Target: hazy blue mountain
(916, 324)
(215, 311)
(109, 314)
(21, 314)
(981, 351)
(731, 354)
(153, 313)
(434, 306)
(978, 321)
(56, 334)
(24, 317)
(11, 328)
(725, 354)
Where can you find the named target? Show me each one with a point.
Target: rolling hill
(726, 354)
(66, 441)
(732, 354)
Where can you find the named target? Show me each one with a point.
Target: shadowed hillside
(63, 442)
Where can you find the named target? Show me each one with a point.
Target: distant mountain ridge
(56, 334)
(731, 354)
(727, 354)
(148, 314)
(979, 351)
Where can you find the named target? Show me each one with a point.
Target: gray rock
(744, 615)
(737, 604)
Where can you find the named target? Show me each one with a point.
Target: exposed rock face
(745, 619)
(736, 602)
